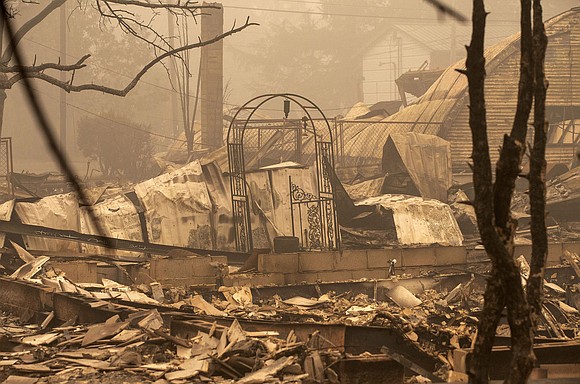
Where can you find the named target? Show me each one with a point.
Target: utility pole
(62, 94)
(453, 45)
(212, 25)
(174, 120)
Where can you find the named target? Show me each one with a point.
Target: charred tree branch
(479, 363)
(26, 27)
(508, 166)
(187, 5)
(67, 86)
(447, 10)
(538, 169)
(482, 176)
(43, 67)
(44, 124)
(493, 204)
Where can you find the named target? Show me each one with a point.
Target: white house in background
(401, 48)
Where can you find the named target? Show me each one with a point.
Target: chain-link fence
(357, 144)
(6, 165)
(271, 141)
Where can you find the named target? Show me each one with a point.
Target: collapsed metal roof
(443, 111)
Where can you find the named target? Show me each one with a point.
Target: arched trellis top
(311, 110)
(319, 229)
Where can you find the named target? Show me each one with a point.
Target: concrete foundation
(294, 268)
(194, 271)
(310, 267)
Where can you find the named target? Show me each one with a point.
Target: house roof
(439, 104)
(437, 37)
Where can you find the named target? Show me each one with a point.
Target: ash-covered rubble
(141, 347)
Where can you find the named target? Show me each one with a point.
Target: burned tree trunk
(493, 200)
(537, 175)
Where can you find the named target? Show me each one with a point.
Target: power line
(319, 13)
(100, 66)
(411, 20)
(152, 84)
(343, 5)
(111, 120)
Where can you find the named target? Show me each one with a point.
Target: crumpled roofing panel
(222, 219)
(261, 206)
(427, 158)
(5, 214)
(58, 212)
(178, 208)
(419, 221)
(118, 218)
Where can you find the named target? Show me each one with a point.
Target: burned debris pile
(151, 333)
(139, 349)
(172, 302)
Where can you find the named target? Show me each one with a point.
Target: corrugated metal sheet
(270, 189)
(59, 212)
(445, 103)
(365, 189)
(222, 219)
(118, 218)
(5, 214)
(178, 208)
(359, 109)
(261, 205)
(304, 178)
(426, 158)
(562, 71)
(363, 143)
(189, 207)
(420, 221)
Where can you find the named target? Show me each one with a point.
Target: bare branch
(45, 125)
(69, 87)
(515, 142)
(26, 27)
(492, 206)
(43, 67)
(188, 5)
(125, 20)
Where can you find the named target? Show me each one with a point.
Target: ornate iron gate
(314, 218)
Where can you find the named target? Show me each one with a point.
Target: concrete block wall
(78, 271)
(555, 251)
(186, 272)
(346, 265)
(293, 268)
(254, 279)
(168, 272)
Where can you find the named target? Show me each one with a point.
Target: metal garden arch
(317, 207)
